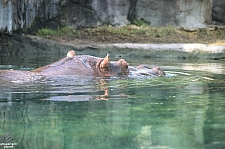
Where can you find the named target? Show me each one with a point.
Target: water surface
(183, 110)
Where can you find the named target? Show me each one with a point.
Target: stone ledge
(176, 50)
(33, 45)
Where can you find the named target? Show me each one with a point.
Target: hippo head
(107, 68)
(146, 71)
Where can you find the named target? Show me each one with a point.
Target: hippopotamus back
(84, 65)
(81, 65)
(78, 65)
(18, 76)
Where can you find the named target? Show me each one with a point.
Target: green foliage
(168, 30)
(50, 32)
(140, 23)
(146, 30)
(47, 32)
(141, 29)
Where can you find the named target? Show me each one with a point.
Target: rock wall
(218, 12)
(187, 13)
(92, 13)
(15, 14)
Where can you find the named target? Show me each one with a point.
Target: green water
(184, 110)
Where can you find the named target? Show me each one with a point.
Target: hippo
(144, 70)
(81, 65)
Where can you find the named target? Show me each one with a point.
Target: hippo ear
(105, 63)
(124, 64)
(71, 53)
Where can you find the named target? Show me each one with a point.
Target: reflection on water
(183, 110)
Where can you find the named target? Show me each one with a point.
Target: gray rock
(185, 13)
(218, 12)
(21, 14)
(92, 13)
(95, 13)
